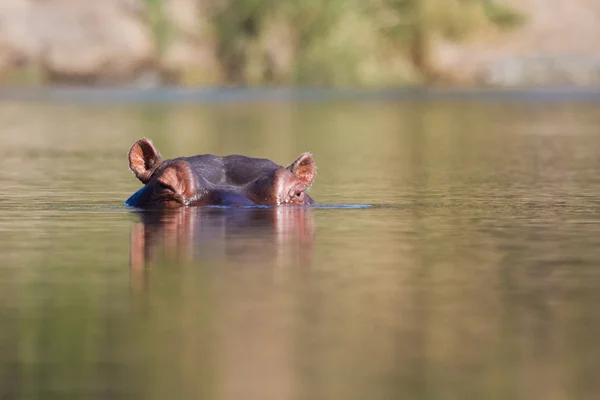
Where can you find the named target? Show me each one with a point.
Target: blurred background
(373, 43)
(454, 252)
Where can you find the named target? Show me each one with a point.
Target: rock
(76, 40)
(556, 45)
(572, 70)
(280, 44)
(191, 50)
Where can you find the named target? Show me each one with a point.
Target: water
(455, 254)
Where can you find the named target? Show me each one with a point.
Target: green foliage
(321, 42)
(337, 42)
(502, 15)
(158, 23)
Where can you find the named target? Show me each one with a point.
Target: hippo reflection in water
(261, 237)
(206, 179)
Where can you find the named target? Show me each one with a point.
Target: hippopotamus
(206, 179)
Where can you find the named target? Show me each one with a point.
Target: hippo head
(212, 180)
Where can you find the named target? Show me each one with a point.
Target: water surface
(473, 274)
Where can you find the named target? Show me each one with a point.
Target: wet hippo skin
(206, 179)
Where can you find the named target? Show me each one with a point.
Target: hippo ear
(143, 159)
(304, 168)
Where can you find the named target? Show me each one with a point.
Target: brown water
(475, 273)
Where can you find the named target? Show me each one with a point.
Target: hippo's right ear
(143, 159)
(304, 168)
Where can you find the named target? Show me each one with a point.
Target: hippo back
(234, 170)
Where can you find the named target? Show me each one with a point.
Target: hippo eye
(295, 195)
(164, 186)
(163, 191)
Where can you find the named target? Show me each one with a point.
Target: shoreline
(178, 95)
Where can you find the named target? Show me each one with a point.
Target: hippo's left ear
(143, 159)
(304, 168)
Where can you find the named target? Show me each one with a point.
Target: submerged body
(212, 180)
